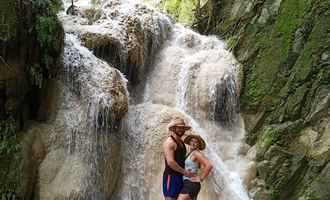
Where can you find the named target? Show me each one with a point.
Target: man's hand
(195, 179)
(188, 174)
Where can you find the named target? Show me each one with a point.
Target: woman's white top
(191, 166)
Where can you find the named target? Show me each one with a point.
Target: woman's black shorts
(191, 188)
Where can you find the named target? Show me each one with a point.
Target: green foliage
(172, 7)
(47, 24)
(8, 137)
(46, 27)
(182, 10)
(40, 4)
(52, 6)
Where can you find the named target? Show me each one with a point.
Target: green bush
(46, 27)
(52, 6)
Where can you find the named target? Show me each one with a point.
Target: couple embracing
(184, 169)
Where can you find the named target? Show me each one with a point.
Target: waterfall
(170, 70)
(188, 73)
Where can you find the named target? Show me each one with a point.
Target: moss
(274, 47)
(291, 108)
(319, 188)
(309, 195)
(296, 94)
(318, 40)
(268, 136)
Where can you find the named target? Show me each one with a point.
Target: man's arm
(169, 149)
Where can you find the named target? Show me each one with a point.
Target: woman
(197, 163)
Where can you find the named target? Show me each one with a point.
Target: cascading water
(82, 137)
(192, 75)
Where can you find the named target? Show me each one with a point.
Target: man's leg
(172, 186)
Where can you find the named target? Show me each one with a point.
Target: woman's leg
(184, 197)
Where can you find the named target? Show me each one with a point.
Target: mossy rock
(319, 188)
(274, 46)
(284, 48)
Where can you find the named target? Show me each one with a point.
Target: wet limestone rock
(126, 41)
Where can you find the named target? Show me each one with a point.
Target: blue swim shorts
(172, 185)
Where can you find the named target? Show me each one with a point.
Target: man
(175, 152)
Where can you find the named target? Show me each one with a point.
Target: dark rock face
(31, 42)
(284, 48)
(227, 105)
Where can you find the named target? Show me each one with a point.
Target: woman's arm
(205, 164)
